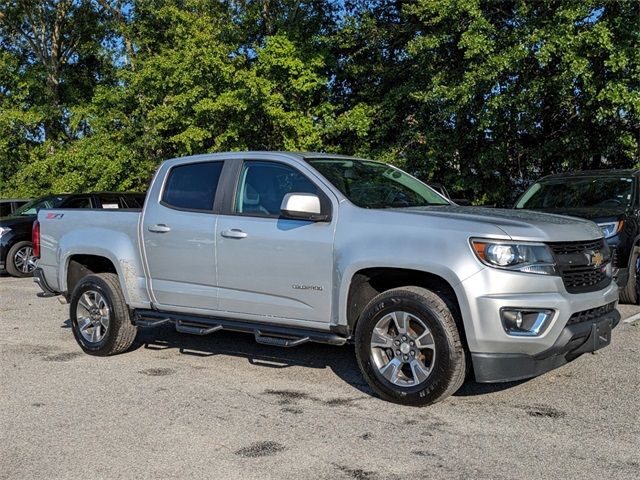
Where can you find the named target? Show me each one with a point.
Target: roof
(260, 154)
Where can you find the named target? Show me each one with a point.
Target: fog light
(524, 322)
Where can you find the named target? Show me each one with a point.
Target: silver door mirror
(304, 206)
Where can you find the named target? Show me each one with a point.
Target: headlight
(521, 257)
(4, 230)
(611, 228)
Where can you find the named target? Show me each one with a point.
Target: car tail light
(35, 238)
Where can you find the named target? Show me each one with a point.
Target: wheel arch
(81, 265)
(368, 282)
(102, 250)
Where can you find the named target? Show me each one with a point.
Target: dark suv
(10, 205)
(15, 230)
(608, 197)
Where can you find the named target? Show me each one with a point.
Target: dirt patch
(357, 473)
(293, 410)
(157, 372)
(425, 453)
(542, 411)
(286, 397)
(260, 449)
(62, 357)
(339, 402)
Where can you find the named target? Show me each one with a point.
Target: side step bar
(183, 327)
(150, 322)
(266, 334)
(279, 341)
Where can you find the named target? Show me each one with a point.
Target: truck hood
(517, 224)
(595, 214)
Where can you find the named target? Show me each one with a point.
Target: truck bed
(101, 232)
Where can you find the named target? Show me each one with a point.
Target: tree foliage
(482, 95)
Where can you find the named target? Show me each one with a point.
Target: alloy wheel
(403, 349)
(93, 316)
(24, 260)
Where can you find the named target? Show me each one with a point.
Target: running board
(150, 322)
(183, 327)
(266, 334)
(279, 341)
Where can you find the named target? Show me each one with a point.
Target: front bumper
(573, 341)
(498, 356)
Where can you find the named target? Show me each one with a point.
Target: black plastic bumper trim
(574, 340)
(38, 277)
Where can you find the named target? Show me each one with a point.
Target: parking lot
(226, 407)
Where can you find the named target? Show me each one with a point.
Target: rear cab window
(192, 187)
(77, 202)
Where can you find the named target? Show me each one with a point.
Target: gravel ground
(226, 407)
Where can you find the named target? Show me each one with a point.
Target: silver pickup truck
(299, 248)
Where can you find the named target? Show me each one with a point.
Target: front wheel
(20, 260)
(408, 347)
(631, 292)
(100, 319)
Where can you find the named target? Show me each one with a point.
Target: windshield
(589, 192)
(371, 184)
(34, 206)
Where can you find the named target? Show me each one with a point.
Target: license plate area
(601, 334)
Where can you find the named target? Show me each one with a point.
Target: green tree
(508, 91)
(482, 95)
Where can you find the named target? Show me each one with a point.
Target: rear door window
(192, 186)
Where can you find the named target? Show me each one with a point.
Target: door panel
(268, 265)
(281, 268)
(179, 234)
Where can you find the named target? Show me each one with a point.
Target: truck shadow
(341, 360)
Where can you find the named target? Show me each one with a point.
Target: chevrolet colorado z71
(315, 247)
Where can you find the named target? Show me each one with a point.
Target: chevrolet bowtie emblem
(594, 258)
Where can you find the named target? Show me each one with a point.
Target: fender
(90, 241)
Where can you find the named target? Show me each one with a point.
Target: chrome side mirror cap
(302, 206)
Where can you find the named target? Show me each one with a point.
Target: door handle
(159, 228)
(233, 233)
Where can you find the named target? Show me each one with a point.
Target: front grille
(576, 269)
(576, 247)
(591, 314)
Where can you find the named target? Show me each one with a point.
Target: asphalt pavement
(178, 406)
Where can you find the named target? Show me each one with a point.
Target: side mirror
(302, 206)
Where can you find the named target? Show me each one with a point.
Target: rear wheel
(631, 292)
(20, 260)
(409, 348)
(100, 319)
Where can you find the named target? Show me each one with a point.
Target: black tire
(449, 366)
(629, 294)
(12, 268)
(121, 332)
